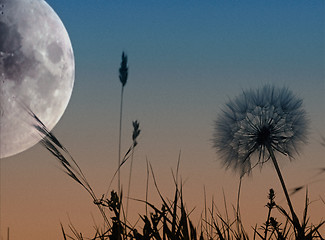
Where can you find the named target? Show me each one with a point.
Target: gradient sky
(186, 58)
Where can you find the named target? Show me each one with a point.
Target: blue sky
(240, 42)
(190, 49)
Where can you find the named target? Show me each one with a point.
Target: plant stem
(129, 185)
(238, 218)
(120, 144)
(267, 223)
(275, 163)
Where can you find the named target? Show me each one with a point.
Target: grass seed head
(124, 69)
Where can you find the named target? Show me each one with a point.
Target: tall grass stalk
(123, 75)
(129, 153)
(129, 183)
(135, 134)
(120, 143)
(70, 166)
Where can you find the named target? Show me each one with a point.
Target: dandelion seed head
(255, 120)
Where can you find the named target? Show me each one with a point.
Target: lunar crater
(10, 39)
(16, 66)
(54, 52)
(13, 63)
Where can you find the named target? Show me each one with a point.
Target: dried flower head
(256, 121)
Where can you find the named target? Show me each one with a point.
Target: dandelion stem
(294, 216)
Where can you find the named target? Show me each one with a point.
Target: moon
(37, 71)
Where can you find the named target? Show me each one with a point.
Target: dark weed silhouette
(257, 120)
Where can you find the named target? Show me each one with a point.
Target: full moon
(36, 71)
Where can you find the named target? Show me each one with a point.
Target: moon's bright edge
(36, 70)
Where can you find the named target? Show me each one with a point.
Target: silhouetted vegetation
(170, 219)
